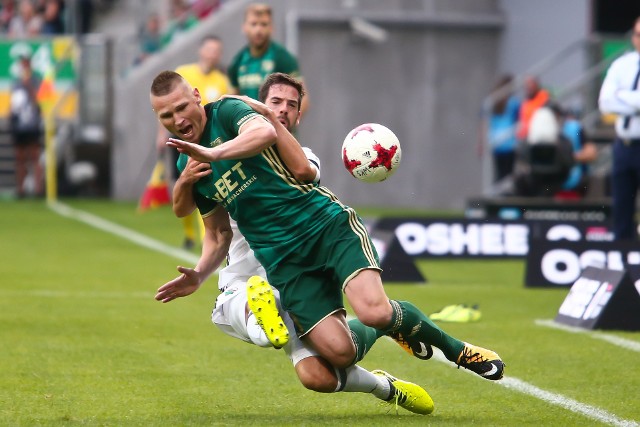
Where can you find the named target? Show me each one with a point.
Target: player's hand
(194, 170)
(260, 107)
(185, 284)
(195, 151)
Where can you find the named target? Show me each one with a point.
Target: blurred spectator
(181, 21)
(26, 127)
(584, 152)
(150, 37)
(53, 23)
(534, 98)
(501, 127)
(203, 8)
(261, 56)
(544, 160)
(27, 23)
(39, 6)
(7, 12)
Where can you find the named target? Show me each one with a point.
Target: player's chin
(187, 135)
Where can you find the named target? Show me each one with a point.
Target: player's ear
(196, 95)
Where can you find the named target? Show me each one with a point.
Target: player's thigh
(296, 349)
(331, 338)
(230, 312)
(315, 373)
(367, 296)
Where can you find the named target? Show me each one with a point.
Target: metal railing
(581, 92)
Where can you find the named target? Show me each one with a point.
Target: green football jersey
(274, 211)
(247, 72)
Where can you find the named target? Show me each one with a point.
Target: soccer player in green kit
(313, 247)
(261, 56)
(243, 291)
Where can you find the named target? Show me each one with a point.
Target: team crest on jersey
(268, 66)
(216, 142)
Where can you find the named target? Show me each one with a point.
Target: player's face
(283, 100)
(210, 53)
(180, 113)
(257, 28)
(635, 37)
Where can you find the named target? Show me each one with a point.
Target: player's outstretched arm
(288, 146)
(215, 245)
(195, 151)
(255, 136)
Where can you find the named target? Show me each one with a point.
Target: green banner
(54, 60)
(57, 54)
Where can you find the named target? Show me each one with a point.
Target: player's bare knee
(343, 359)
(376, 316)
(319, 383)
(317, 374)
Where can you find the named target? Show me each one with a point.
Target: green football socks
(415, 326)
(364, 337)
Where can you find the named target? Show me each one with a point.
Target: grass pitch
(82, 342)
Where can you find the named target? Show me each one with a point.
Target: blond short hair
(257, 9)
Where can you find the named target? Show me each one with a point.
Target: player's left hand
(260, 107)
(195, 151)
(185, 284)
(194, 170)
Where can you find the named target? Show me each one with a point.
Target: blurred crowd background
(440, 73)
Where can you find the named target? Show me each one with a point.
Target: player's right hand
(195, 170)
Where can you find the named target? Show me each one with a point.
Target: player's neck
(256, 51)
(206, 69)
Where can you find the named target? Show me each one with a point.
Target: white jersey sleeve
(314, 161)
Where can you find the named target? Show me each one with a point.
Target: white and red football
(371, 152)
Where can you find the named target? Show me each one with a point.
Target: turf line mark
(516, 384)
(123, 232)
(556, 399)
(565, 402)
(612, 339)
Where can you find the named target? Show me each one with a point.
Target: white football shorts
(229, 316)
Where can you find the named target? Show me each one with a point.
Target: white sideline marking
(120, 231)
(565, 402)
(612, 339)
(556, 399)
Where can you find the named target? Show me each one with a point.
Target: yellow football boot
(407, 395)
(262, 302)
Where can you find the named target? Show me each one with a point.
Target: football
(371, 152)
